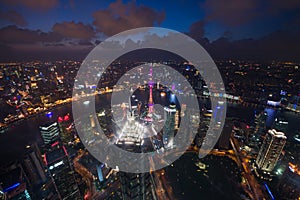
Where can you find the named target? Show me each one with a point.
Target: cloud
(33, 4)
(66, 32)
(14, 35)
(24, 44)
(74, 30)
(231, 12)
(236, 12)
(197, 30)
(279, 45)
(120, 17)
(13, 17)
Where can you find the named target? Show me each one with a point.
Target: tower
(34, 166)
(169, 126)
(62, 173)
(13, 183)
(139, 106)
(136, 186)
(270, 151)
(289, 184)
(65, 127)
(150, 102)
(50, 132)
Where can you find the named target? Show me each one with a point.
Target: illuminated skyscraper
(65, 127)
(62, 173)
(134, 186)
(169, 126)
(50, 132)
(281, 124)
(270, 150)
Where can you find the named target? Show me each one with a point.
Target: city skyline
(51, 30)
(149, 100)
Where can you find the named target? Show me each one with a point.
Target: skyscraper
(281, 124)
(34, 166)
(270, 151)
(169, 126)
(50, 132)
(61, 170)
(13, 183)
(289, 184)
(134, 186)
(65, 128)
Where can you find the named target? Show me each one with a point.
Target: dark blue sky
(46, 22)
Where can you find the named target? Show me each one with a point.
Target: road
(251, 181)
(85, 174)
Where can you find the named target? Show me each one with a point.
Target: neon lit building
(50, 132)
(65, 128)
(62, 173)
(13, 183)
(270, 150)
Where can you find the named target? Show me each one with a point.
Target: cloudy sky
(66, 29)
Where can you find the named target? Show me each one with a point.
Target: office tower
(13, 183)
(223, 142)
(62, 173)
(50, 132)
(139, 106)
(136, 186)
(281, 124)
(34, 166)
(260, 122)
(169, 126)
(270, 150)
(65, 128)
(289, 184)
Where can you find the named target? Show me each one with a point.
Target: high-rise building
(34, 166)
(270, 151)
(136, 186)
(50, 132)
(62, 173)
(223, 142)
(169, 126)
(65, 128)
(13, 183)
(281, 124)
(289, 184)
